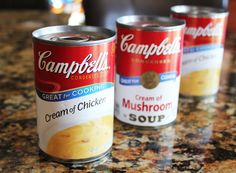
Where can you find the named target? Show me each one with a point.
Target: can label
(148, 75)
(75, 89)
(203, 54)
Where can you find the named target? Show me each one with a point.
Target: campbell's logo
(166, 47)
(86, 66)
(209, 31)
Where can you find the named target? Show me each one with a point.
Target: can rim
(199, 11)
(175, 24)
(37, 34)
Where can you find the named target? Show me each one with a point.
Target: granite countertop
(202, 140)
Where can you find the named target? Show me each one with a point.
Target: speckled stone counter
(203, 139)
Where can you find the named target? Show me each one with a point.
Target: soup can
(203, 49)
(74, 82)
(148, 65)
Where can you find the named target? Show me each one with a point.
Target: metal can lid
(199, 11)
(148, 22)
(73, 35)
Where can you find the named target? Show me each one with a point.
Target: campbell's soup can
(203, 49)
(74, 82)
(148, 65)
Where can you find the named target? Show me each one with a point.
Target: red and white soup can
(148, 65)
(74, 81)
(203, 49)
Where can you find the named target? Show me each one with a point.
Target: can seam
(37, 34)
(179, 23)
(213, 14)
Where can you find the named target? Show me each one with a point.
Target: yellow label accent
(83, 141)
(200, 83)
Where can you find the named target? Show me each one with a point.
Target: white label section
(147, 107)
(202, 60)
(53, 117)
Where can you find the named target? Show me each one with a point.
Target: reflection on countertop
(203, 139)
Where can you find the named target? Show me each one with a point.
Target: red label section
(140, 51)
(59, 68)
(203, 30)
